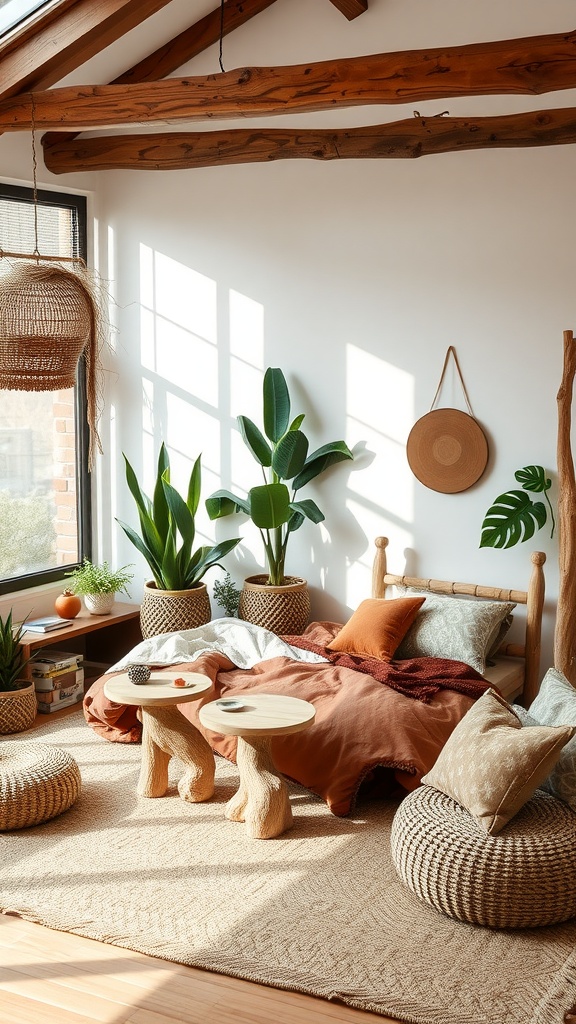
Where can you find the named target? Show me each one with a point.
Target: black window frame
(83, 482)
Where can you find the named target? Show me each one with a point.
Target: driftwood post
(565, 633)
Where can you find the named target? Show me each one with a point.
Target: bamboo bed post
(534, 609)
(379, 567)
(564, 633)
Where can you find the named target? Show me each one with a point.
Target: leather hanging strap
(451, 352)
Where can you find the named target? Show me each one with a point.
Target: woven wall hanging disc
(447, 450)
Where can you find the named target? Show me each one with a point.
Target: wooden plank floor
(49, 977)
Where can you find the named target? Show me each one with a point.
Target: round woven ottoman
(37, 782)
(523, 877)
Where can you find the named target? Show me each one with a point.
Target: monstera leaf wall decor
(514, 516)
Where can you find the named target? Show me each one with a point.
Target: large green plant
(514, 516)
(167, 527)
(283, 457)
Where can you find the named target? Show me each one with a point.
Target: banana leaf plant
(282, 453)
(167, 529)
(514, 516)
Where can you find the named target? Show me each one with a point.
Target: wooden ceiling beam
(66, 40)
(533, 65)
(182, 48)
(351, 8)
(418, 136)
(192, 41)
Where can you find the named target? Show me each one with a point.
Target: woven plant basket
(523, 877)
(37, 782)
(17, 708)
(169, 611)
(282, 610)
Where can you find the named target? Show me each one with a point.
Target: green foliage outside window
(27, 536)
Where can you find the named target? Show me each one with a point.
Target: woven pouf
(37, 782)
(523, 877)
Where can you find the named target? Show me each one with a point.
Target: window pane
(38, 514)
(14, 11)
(44, 484)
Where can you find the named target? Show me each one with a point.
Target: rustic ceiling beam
(66, 40)
(351, 8)
(535, 65)
(184, 47)
(418, 136)
(192, 41)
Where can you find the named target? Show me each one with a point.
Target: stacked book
(58, 679)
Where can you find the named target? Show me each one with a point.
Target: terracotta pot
(169, 611)
(99, 604)
(18, 708)
(282, 609)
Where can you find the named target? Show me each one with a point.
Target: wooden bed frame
(517, 666)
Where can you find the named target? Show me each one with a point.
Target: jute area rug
(318, 910)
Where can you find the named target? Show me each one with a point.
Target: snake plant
(167, 529)
(283, 457)
(11, 656)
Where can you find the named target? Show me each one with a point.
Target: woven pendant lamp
(50, 317)
(46, 322)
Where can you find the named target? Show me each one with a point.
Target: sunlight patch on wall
(246, 353)
(191, 432)
(380, 410)
(178, 325)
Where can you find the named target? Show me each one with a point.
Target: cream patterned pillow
(454, 627)
(491, 765)
(555, 704)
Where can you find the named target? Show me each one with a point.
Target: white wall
(354, 277)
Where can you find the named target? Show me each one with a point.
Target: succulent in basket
(12, 660)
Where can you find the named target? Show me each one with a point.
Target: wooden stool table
(262, 800)
(167, 733)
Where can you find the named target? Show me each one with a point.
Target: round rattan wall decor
(447, 450)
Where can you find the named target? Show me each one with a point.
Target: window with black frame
(44, 483)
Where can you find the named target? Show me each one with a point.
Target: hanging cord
(36, 252)
(35, 255)
(451, 352)
(221, 34)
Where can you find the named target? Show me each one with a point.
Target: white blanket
(242, 642)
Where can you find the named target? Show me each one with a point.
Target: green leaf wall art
(513, 516)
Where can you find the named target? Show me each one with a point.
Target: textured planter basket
(168, 611)
(17, 708)
(282, 610)
(99, 604)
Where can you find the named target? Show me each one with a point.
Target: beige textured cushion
(491, 765)
(464, 629)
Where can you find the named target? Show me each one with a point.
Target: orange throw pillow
(377, 627)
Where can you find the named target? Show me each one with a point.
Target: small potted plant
(227, 595)
(274, 600)
(176, 598)
(99, 584)
(17, 695)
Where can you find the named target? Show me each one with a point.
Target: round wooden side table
(262, 800)
(167, 733)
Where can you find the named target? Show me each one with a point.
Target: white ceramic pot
(99, 604)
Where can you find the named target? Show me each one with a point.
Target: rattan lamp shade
(46, 322)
